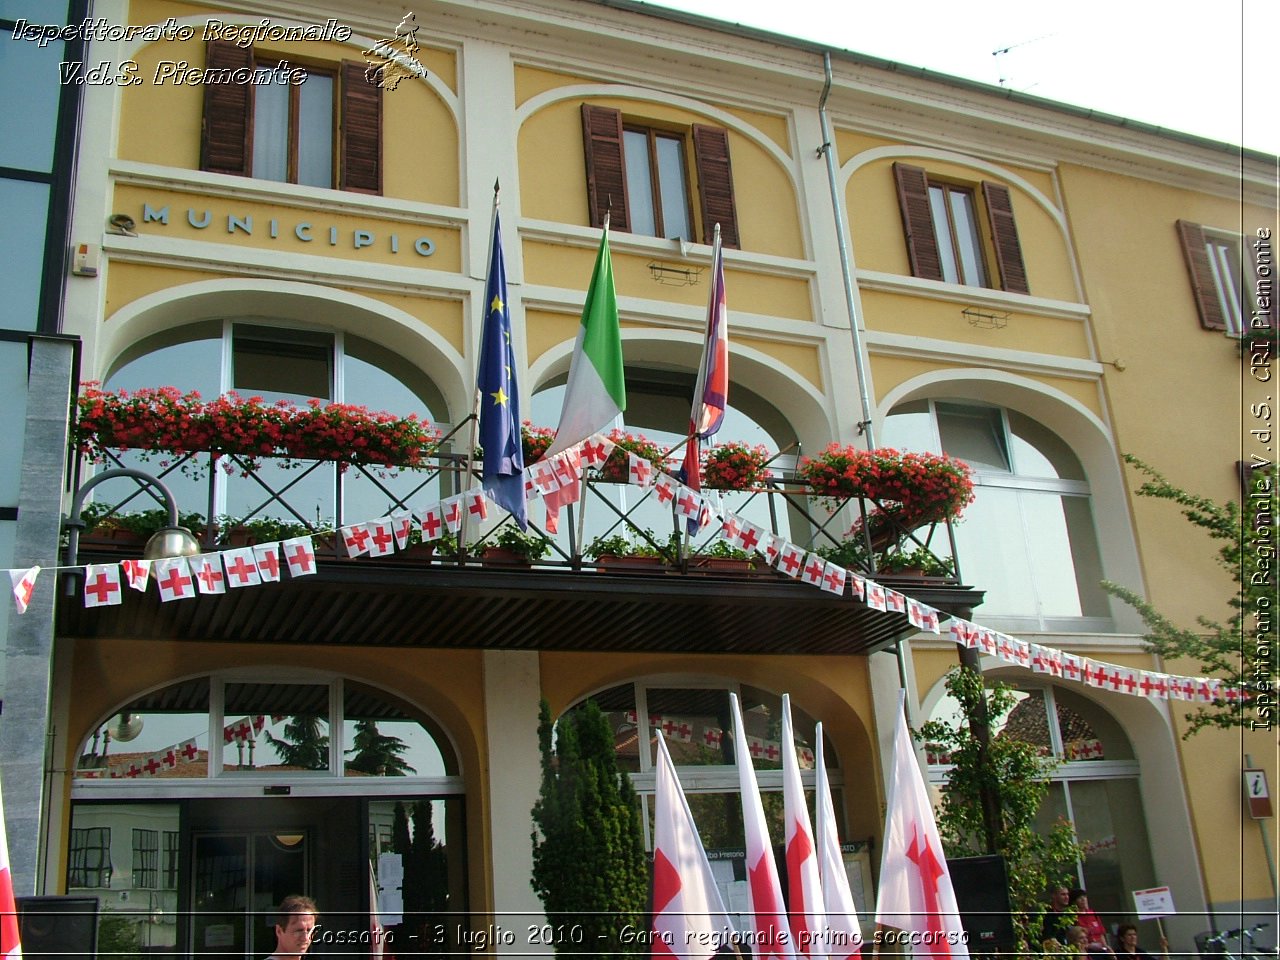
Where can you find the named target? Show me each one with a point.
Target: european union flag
(503, 471)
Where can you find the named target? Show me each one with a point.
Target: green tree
(1012, 775)
(377, 754)
(303, 744)
(589, 865)
(1237, 650)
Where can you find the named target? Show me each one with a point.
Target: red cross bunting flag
(475, 504)
(207, 570)
(895, 601)
(544, 477)
(173, 577)
(915, 613)
(241, 567)
(875, 596)
(354, 540)
(1154, 685)
(688, 501)
(102, 586)
(751, 537)
(859, 585)
(834, 577)
(451, 510)
(267, 556)
(790, 559)
(666, 488)
(432, 521)
(915, 893)
(382, 542)
(24, 585)
(136, 573)
(596, 450)
(300, 555)
(401, 527)
(812, 569)
(639, 470)
(1095, 673)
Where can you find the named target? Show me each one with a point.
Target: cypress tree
(589, 864)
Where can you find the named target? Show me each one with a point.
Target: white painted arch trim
(627, 91)
(204, 299)
(803, 405)
(854, 164)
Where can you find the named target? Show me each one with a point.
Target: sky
(1197, 68)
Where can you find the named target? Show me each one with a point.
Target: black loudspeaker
(58, 926)
(982, 893)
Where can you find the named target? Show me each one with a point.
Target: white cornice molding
(951, 352)
(972, 296)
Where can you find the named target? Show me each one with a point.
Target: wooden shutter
(1203, 284)
(361, 148)
(917, 222)
(226, 130)
(1004, 236)
(606, 167)
(715, 184)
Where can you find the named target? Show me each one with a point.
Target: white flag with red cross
(812, 569)
(916, 894)
(1071, 666)
(688, 501)
(689, 920)
(451, 510)
(876, 599)
(1039, 658)
(915, 613)
(639, 470)
(267, 556)
(476, 504)
(544, 477)
(666, 488)
(804, 888)
(751, 537)
(961, 635)
(300, 555)
(1154, 685)
(731, 528)
(764, 891)
(188, 752)
(102, 587)
(24, 585)
(596, 450)
(354, 540)
(844, 935)
(207, 570)
(136, 573)
(859, 586)
(895, 601)
(382, 541)
(567, 467)
(1095, 673)
(401, 527)
(173, 577)
(242, 567)
(790, 559)
(432, 520)
(10, 942)
(834, 578)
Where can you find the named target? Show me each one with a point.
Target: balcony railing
(261, 499)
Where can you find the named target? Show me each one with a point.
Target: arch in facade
(305, 303)
(1084, 431)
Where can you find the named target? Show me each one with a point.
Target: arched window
(1095, 785)
(259, 356)
(694, 717)
(1028, 539)
(197, 806)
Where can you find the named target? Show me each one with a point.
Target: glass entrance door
(237, 880)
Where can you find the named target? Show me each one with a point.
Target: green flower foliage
(1015, 778)
(1240, 650)
(589, 864)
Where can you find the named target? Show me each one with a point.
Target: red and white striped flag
(764, 891)
(10, 944)
(844, 935)
(689, 919)
(804, 890)
(24, 585)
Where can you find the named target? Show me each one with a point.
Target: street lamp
(169, 541)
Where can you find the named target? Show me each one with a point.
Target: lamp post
(170, 541)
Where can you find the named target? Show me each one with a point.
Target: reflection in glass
(271, 130)
(639, 183)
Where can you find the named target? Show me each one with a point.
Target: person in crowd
(1078, 942)
(295, 924)
(1128, 949)
(1090, 921)
(1058, 916)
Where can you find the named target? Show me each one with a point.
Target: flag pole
(693, 449)
(582, 492)
(464, 532)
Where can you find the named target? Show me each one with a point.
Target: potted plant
(722, 557)
(919, 562)
(132, 526)
(237, 532)
(735, 466)
(513, 546)
(644, 551)
(617, 469)
(535, 441)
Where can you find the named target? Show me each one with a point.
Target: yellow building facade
(910, 261)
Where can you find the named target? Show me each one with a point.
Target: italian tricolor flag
(596, 391)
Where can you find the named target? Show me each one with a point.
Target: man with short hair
(295, 923)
